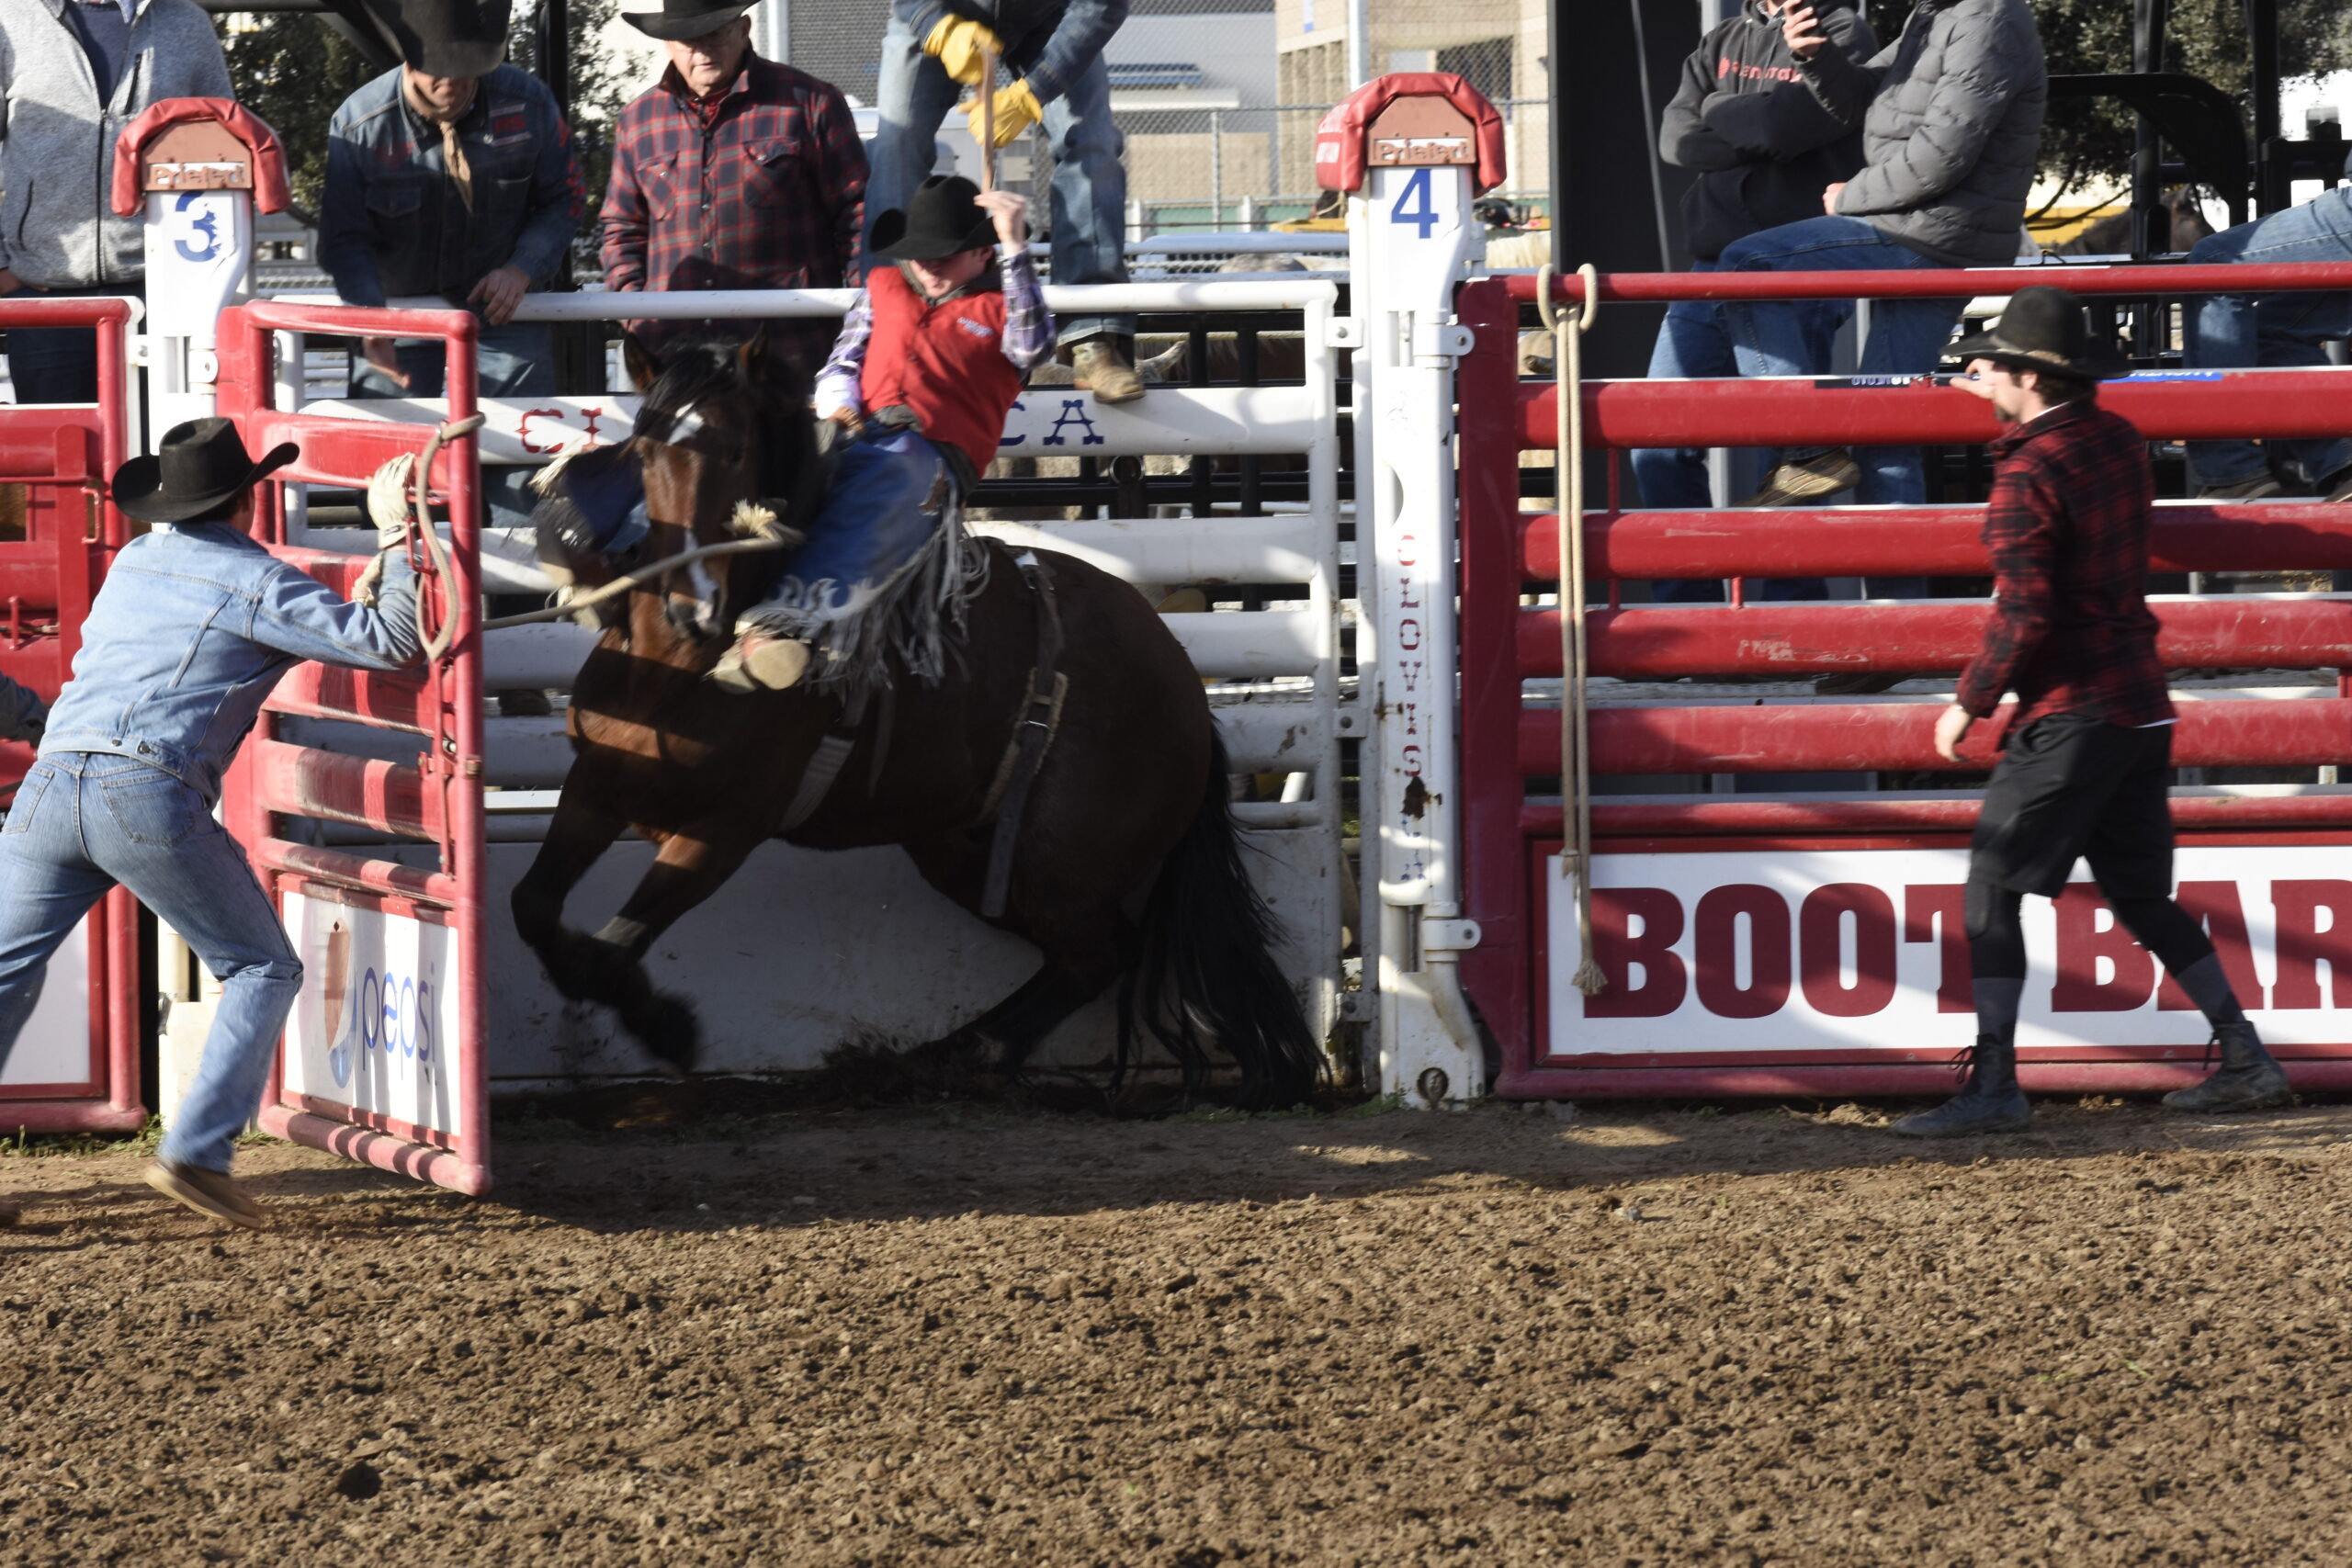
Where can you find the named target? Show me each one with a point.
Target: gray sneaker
(213, 1192)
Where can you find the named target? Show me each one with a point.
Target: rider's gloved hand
(958, 43)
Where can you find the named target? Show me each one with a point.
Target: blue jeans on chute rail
(1694, 344)
(2241, 330)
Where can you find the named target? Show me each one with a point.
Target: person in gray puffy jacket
(73, 73)
(1765, 149)
(1952, 119)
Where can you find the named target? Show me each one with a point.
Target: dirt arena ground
(1638, 1337)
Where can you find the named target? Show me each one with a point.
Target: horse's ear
(643, 367)
(752, 359)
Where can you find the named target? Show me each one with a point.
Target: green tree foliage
(2089, 141)
(294, 70)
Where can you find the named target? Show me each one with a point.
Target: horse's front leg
(689, 868)
(578, 836)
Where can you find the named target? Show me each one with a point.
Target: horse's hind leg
(1085, 950)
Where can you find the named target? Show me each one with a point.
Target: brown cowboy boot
(761, 661)
(1099, 366)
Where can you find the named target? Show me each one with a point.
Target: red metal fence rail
(62, 455)
(1505, 550)
(437, 801)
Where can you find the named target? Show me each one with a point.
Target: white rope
(1575, 761)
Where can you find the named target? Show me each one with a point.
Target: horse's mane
(696, 370)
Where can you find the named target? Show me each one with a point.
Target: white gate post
(198, 178)
(1412, 235)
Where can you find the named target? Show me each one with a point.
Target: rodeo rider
(191, 632)
(2084, 764)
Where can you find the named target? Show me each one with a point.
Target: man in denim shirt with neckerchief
(453, 175)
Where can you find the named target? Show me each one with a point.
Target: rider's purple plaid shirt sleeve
(1028, 326)
(837, 382)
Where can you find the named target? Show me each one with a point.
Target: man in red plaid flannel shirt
(731, 172)
(2086, 761)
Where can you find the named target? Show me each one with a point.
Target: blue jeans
(85, 821)
(1694, 344)
(2235, 331)
(516, 360)
(57, 365)
(1776, 337)
(1089, 205)
(888, 490)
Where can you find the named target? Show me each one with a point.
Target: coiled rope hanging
(1568, 330)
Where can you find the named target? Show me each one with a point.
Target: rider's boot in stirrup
(761, 661)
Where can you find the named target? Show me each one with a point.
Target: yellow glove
(1017, 109)
(957, 42)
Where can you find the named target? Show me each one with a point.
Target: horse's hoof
(668, 1030)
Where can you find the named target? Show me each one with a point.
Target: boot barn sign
(1782, 952)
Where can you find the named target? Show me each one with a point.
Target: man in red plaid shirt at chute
(2083, 765)
(731, 172)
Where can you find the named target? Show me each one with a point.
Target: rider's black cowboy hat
(943, 218)
(447, 38)
(201, 466)
(2044, 329)
(677, 20)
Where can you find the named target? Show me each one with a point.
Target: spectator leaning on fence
(1053, 52)
(452, 176)
(731, 172)
(2234, 331)
(73, 73)
(1951, 125)
(1764, 148)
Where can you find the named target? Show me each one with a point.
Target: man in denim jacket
(187, 639)
(452, 176)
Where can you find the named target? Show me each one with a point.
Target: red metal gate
(75, 1066)
(1749, 942)
(382, 1060)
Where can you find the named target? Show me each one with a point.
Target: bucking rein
(1034, 728)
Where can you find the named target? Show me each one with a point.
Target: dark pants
(2070, 787)
(59, 364)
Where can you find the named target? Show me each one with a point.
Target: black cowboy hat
(200, 468)
(2044, 329)
(447, 38)
(943, 218)
(677, 20)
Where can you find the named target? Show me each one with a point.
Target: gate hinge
(1449, 935)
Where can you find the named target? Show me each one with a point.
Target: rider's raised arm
(1028, 326)
(837, 382)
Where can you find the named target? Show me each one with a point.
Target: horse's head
(727, 449)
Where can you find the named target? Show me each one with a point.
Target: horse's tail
(1206, 966)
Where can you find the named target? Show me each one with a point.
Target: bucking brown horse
(1131, 796)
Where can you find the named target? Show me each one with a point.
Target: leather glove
(389, 495)
(957, 42)
(1017, 109)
